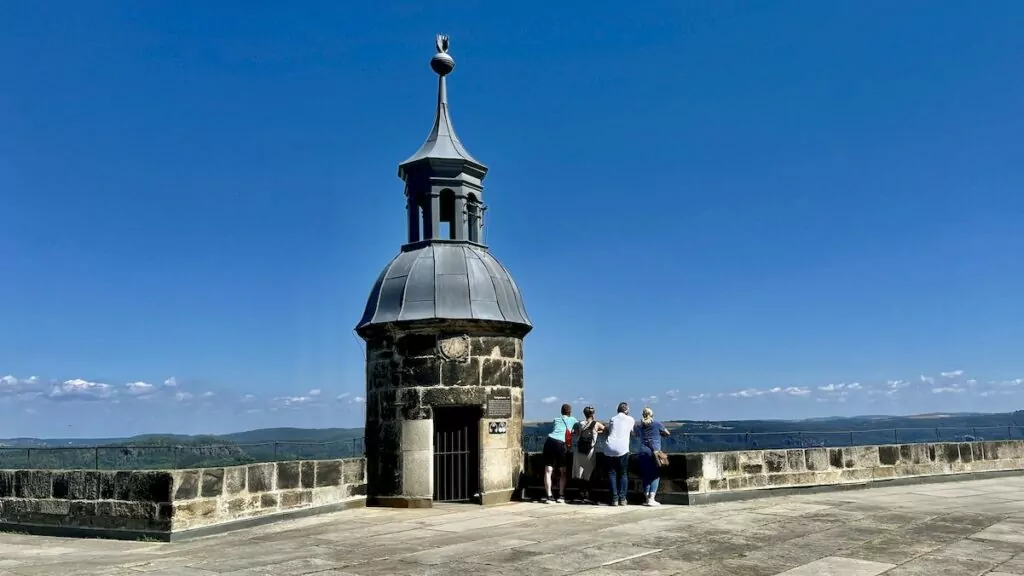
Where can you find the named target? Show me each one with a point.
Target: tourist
(616, 451)
(583, 460)
(650, 457)
(556, 453)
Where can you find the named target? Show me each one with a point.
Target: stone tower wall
(408, 374)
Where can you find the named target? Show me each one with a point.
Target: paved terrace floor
(955, 528)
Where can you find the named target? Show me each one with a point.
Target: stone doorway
(457, 453)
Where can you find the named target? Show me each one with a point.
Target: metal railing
(172, 457)
(728, 441)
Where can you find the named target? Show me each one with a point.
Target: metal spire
(442, 143)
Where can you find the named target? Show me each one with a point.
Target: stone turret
(444, 328)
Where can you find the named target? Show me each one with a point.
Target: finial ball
(442, 63)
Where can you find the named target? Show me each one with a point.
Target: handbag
(661, 458)
(568, 435)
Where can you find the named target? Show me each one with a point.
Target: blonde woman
(650, 432)
(585, 437)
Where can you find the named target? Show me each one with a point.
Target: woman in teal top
(557, 454)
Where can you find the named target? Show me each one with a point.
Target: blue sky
(731, 207)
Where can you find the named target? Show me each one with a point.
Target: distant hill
(266, 444)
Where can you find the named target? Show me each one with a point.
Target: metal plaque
(499, 404)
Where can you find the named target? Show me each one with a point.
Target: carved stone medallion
(454, 348)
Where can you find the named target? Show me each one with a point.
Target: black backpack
(585, 443)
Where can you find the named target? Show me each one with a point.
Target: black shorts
(555, 454)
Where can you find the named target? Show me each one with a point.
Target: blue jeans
(618, 467)
(649, 471)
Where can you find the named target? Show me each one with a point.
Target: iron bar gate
(456, 454)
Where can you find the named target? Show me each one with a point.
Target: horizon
(197, 205)
(531, 423)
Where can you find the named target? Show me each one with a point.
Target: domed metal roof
(445, 281)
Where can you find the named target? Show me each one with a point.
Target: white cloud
(79, 389)
(927, 379)
(208, 394)
(314, 392)
(948, 389)
(797, 391)
(140, 388)
(854, 386)
(248, 398)
(293, 400)
(171, 382)
(649, 400)
(951, 373)
(343, 395)
(358, 400)
(549, 399)
(182, 396)
(747, 393)
(672, 394)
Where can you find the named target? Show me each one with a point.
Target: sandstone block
(212, 484)
(117, 509)
(33, 484)
(775, 461)
(288, 475)
(7, 484)
(888, 455)
(816, 459)
(795, 460)
(259, 477)
(269, 500)
(76, 485)
(186, 484)
(308, 476)
(328, 473)
(234, 480)
(296, 499)
(497, 347)
(354, 471)
(421, 372)
(496, 372)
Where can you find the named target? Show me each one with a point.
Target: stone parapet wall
(164, 504)
(695, 478)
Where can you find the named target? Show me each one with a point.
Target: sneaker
(653, 502)
(560, 500)
(548, 500)
(622, 502)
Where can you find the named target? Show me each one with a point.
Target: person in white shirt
(616, 451)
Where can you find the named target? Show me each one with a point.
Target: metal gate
(456, 453)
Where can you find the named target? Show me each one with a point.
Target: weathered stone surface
(795, 460)
(328, 473)
(515, 374)
(466, 373)
(888, 455)
(816, 459)
(117, 509)
(775, 461)
(454, 396)
(212, 483)
(234, 480)
(414, 345)
(76, 485)
(186, 485)
(494, 346)
(296, 498)
(354, 471)
(835, 457)
(269, 500)
(32, 484)
(966, 453)
(195, 511)
(421, 372)
(730, 463)
(496, 372)
(308, 474)
(259, 477)
(288, 474)
(6, 484)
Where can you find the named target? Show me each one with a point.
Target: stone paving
(956, 528)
